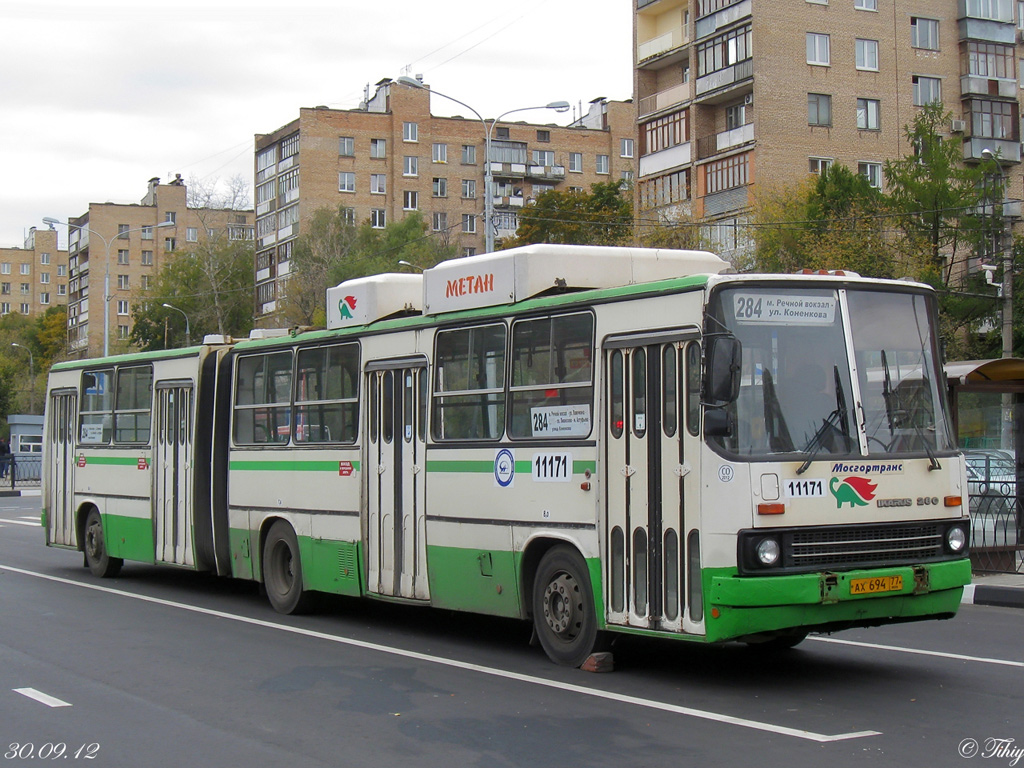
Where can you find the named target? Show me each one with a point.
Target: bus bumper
(741, 606)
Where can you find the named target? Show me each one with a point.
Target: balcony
(1007, 150)
(709, 146)
(657, 162)
(547, 172)
(710, 24)
(725, 78)
(973, 85)
(657, 47)
(669, 97)
(508, 170)
(514, 201)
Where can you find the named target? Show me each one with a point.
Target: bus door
(652, 481)
(396, 546)
(172, 473)
(60, 503)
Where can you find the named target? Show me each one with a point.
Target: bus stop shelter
(987, 404)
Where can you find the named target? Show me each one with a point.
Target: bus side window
(97, 407)
(693, 388)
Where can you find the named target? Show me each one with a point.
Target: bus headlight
(768, 552)
(956, 539)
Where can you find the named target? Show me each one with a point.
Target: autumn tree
(603, 216)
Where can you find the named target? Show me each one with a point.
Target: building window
(996, 10)
(147, 232)
(469, 154)
(501, 132)
(25, 289)
(122, 331)
(989, 60)
(543, 157)
(663, 133)
(410, 132)
(410, 166)
(575, 162)
(868, 114)
(378, 184)
(378, 148)
(872, 172)
(378, 218)
(62, 290)
(543, 136)
(440, 187)
(924, 33)
(865, 5)
(819, 109)
(439, 153)
(192, 235)
(724, 51)
(122, 282)
(169, 244)
(735, 116)
(44, 259)
(867, 54)
(122, 307)
(5, 268)
(724, 174)
(818, 49)
(62, 270)
(44, 278)
(171, 217)
(347, 181)
(24, 309)
(44, 298)
(469, 189)
(147, 258)
(469, 223)
(927, 90)
(601, 164)
(664, 190)
(819, 164)
(439, 221)
(145, 282)
(994, 119)
(410, 200)
(347, 146)
(122, 231)
(290, 146)
(626, 148)
(122, 256)
(26, 269)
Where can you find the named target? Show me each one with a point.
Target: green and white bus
(596, 439)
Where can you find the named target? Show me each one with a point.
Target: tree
(604, 216)
(210, 283)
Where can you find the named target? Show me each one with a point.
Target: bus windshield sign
(784, 308)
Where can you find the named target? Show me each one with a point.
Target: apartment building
(391, 156)
(35, 277)
(733, 95)
(132, 242)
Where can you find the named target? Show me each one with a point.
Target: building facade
(391, 156)
(35, 277)
(733, 95)
(132, 243)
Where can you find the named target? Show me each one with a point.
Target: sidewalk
(1002, 589)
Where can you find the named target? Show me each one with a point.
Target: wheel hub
(560, 607)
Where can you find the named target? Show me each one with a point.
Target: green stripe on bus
(288, 466)
(116, 461)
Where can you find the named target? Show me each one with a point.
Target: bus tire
(96, 556)
(564, 616)
(282, 570)
(781, 642)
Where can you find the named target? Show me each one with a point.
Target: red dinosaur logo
(858, 491)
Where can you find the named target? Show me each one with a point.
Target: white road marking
(33, 518)
(920, 652)
(455, 663)
(42, 698)
(21, 522)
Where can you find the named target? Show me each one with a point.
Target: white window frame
(346, 146)
(439, 153)
(346, 181)
(934, 89)
(123, 308)
(378, 184)
(410, 166)
(410, 132)
(410, 200)
(871, 171)
(867, 54)
(601, 165)
(469, 223)
(865, 5)
(469, 189)
(819, 49)
(626, 148)
(869, 115)
(819, 164)
(575, 162)
(378, 218)
(924, 33)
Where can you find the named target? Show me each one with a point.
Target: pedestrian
(5, 457)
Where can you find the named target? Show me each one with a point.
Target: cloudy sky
(98, 97)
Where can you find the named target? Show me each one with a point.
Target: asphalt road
(161, 667)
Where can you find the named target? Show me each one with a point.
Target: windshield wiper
(840, 414)
(902, 415)
(774, 422)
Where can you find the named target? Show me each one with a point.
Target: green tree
(210, 283)
(603, 216)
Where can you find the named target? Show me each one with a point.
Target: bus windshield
(832, 372)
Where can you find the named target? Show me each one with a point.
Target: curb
(1003, 597)
(28, 492)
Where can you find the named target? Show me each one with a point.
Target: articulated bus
(597, 440)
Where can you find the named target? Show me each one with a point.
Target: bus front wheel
(563, 607)
(96, 556)
(282, 570)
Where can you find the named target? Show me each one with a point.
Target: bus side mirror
(724, 362)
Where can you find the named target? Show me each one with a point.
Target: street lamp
(188, 332)
(405, 263)
(50, 221)
(558, 106)
(31, 376)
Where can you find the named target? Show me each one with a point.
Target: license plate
(876, 585)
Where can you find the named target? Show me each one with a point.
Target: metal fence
(997, 543)
(20, 472)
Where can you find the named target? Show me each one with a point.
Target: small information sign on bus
(784, 309)
(561, 420)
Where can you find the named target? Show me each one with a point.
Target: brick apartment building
(734, 94)
(391, 156)
(133, 241)
(35, 277)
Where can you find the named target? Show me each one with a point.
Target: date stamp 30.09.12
(51, 750)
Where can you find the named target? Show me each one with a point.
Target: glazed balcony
(665, 99)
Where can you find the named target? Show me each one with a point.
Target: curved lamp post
(188, 331)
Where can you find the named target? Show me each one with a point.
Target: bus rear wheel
(564, 616)
(96, 556)
(282, 570)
